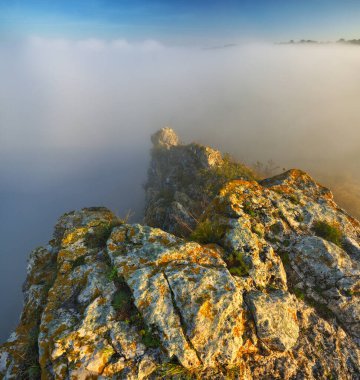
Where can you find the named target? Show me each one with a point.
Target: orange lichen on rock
(206, 310)
(118, 235)
(144, 302)
(236, 185)
(74, 236)
(248, 348)
(112, 247)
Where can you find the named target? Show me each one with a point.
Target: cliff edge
(231, 277)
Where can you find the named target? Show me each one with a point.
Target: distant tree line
(353, 42)
(340, 41)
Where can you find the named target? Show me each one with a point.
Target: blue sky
(184, 21)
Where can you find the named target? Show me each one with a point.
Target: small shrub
(271, 288)
(230, 169)
(320, 347)
(329, 232)
(200, 300)
(208, 232)
(238, 271)
(233, 373)
(237, 265)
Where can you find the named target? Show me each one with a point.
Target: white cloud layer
(289, 103)
(93, 44)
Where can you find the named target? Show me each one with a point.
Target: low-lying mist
(76, 117)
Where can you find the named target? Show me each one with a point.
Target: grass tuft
(177, 371)
(329, 232)
(208, 231)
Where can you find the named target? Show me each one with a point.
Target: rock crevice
(182, 322)
(232, 277)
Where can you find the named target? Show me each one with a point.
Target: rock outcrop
(182, 181)
(231, 278)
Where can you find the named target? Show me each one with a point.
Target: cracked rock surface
(245, 280)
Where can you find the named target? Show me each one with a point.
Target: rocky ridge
(231, 277)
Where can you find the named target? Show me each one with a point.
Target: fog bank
(76, 117)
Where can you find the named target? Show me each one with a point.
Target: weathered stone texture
(269, 291)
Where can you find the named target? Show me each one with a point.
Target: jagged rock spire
(165, 138)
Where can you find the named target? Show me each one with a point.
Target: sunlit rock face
(184, 291)
(263, 285)
(165, 138)
(278, 219)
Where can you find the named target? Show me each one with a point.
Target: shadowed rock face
(182, 181)
(269, 290)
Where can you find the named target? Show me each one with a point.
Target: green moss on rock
(329, 232)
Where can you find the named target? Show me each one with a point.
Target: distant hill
(314, 42)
